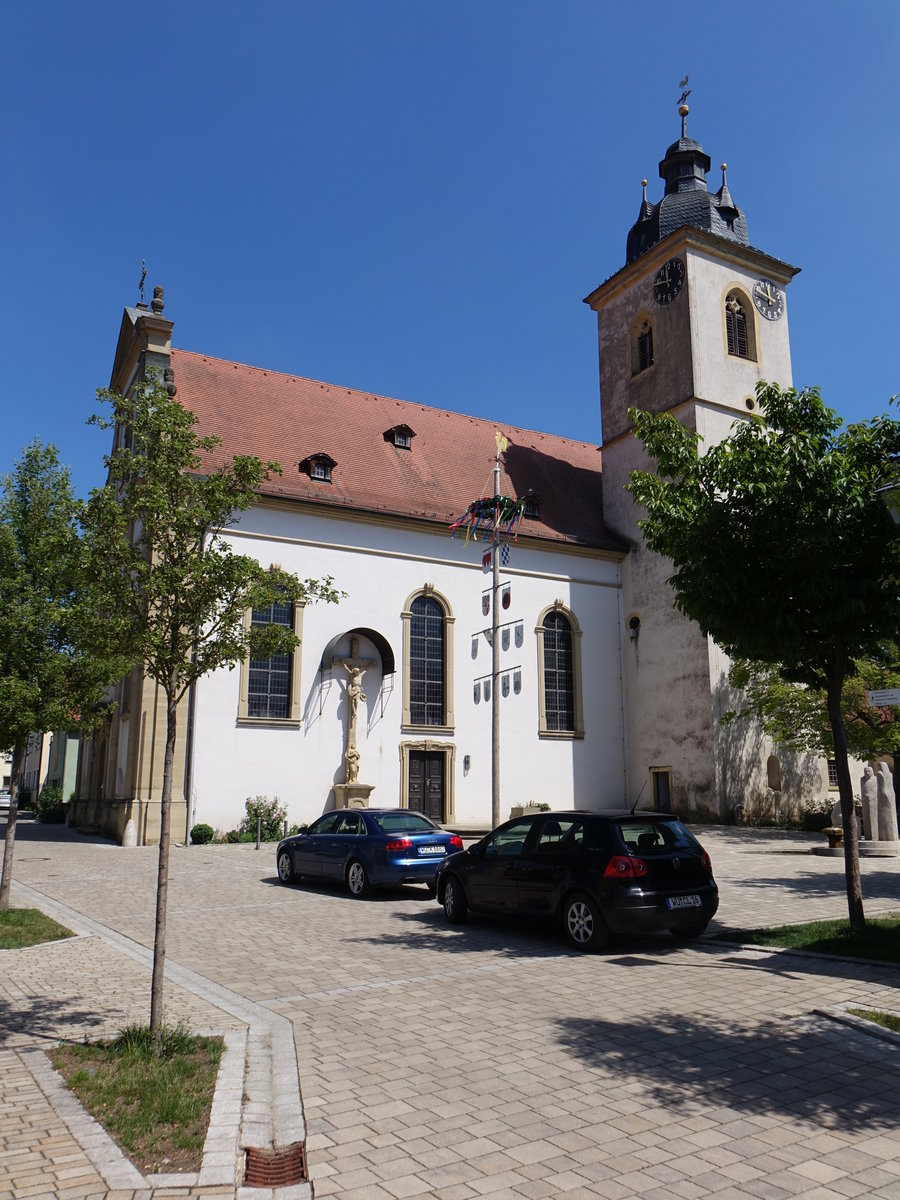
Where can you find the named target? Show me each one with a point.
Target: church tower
(688, 326)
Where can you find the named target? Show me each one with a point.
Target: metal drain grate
(275, 1168)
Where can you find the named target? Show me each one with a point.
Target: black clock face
(768, 299)
(669, 281)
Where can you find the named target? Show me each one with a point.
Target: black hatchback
(600, 874)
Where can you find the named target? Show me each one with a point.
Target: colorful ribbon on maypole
(489, 517)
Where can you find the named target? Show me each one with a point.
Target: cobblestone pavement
(489, 1060)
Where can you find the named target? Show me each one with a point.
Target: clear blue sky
(413, 198)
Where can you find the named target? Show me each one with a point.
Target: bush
(201, 834)
(50, 806)
(273, 817)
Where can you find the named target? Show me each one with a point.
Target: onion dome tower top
(686, 200)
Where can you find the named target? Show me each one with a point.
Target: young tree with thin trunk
(155, 533)
(782, 549)
(49, 678)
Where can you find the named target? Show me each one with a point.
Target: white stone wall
(379, 567)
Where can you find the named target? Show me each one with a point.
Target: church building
(608, 696)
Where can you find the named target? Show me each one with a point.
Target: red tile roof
(450, 464)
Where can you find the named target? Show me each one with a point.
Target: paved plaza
(487, 1060)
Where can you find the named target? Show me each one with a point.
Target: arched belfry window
(642, 355)
(560, 710)
(739, 326)
(427, 662)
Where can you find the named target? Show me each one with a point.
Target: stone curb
(271, 1115)
(860, 1024)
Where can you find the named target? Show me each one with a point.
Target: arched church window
(269, 691)
(270, 685)
(738, 330)
(559, 698)
(560, 710)
(427, 662)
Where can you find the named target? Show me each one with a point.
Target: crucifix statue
(355, 668)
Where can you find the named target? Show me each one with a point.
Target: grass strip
(880, 940)
(154, 1105)
(20, 927)
(888, 1020)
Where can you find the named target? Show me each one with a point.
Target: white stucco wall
(379, 567)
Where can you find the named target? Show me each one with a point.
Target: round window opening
(751, 403)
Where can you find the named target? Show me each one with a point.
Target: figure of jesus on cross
(355, 667)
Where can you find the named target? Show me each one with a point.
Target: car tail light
(399, 844)
(705, 861)
(623, 866)
(455, 842)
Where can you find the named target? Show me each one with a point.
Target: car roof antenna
(640, 793)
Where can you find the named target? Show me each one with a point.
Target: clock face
(669, 281)
(768, 299)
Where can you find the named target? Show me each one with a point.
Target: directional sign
(885, 697)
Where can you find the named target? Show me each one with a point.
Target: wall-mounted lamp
(634, 628)
(467, 762)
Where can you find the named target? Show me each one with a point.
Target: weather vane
(143, 277)
(685, 91)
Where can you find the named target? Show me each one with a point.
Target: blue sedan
(367, 848)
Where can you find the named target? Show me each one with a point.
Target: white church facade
(608, 697)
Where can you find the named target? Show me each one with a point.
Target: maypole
(496, 519)
(495, 643)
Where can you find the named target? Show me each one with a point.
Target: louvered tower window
(736, 327)
(645, 347)
(642, 348)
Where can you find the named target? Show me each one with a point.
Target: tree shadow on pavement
(508, 937)
(30, 830)
(807, 1073)
(819, 885)
(45, 1021)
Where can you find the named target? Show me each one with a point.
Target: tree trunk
(6, 881)
(845, 788)
(162, 879)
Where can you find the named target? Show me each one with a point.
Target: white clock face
(768, 299)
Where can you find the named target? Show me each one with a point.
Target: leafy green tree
(51, 675)
(155, 534)
(797, 717)
(781, 548)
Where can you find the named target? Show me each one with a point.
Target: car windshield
(656, 837)
(403, 822)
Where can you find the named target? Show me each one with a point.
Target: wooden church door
(426, 782)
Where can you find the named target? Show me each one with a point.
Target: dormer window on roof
(400, 436)
(532, 506)
(318, 467)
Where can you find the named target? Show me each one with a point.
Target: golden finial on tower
(683, 109)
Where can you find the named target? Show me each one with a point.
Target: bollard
(258, 831)
(285, 827)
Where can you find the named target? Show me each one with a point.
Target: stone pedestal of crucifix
(351, 793)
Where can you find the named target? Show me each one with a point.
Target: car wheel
(358, 880)
(456, 906)
(584, 926)
(689, 932)
(285, 867)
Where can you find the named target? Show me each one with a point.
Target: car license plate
(432, 849)
(683, 902)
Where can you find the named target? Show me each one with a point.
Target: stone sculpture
(868, 787)
(887, 805)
